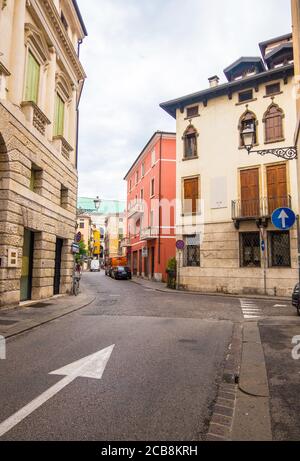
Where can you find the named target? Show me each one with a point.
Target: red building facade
(151, 195)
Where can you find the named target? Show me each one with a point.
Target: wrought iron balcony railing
(258, 208)
(149, 233)
(135, 208)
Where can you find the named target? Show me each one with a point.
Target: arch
(247, 119)
(3, 148)
(273, 120)
(190, 142)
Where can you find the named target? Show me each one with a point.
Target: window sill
(245, 102)
(192, 116)
(185, 159)
(272, 94)
(187, 215)
(275, 141)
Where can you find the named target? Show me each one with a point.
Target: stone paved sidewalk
(20, 319)
(159, 286)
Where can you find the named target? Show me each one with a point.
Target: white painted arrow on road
(92, 366)
(283, 216)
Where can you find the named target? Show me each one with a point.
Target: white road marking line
(250, 310)
(92, 366)
(280, 305)
(251, 316)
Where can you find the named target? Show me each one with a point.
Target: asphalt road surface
(160, 381)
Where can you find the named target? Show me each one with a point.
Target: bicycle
(75, 286)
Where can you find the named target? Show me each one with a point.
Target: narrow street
(160, 382)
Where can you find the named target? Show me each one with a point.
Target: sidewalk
(34, 314)
(162, 287)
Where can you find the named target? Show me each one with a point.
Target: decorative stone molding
(4, 73)
(34, 38)
(63, 87)
(63, 146)
(35, 116)
(63, 37)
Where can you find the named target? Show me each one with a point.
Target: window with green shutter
(59, 116)
(32, 79)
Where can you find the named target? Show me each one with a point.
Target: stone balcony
(35, 116)
(62, 145)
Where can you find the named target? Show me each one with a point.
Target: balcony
(35, 116)
(125, 242)
(260, 209)
(149, 233)
(137, 208)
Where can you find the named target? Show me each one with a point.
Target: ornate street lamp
(248, 137)
(97, 203)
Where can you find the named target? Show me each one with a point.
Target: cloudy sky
(140, 53)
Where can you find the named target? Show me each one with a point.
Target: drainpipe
(159, 199)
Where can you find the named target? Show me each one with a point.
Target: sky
(140, 53)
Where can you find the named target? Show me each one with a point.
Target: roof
(278, 49)
(266, 43)
(107, 207)
(80, 17)
(223, 89)
(157, 133)
(244, 60)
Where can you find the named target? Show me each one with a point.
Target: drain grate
(8, 322)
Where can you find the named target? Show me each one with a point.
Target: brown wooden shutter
(191, 192)
(274, 128)
(250, 202)
(277, 187)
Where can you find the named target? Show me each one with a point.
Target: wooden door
(250, 203)
(277, 187)
(191, 195)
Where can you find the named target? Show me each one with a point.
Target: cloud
(141, 53)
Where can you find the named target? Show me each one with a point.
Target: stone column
(17, 63)
(50, 93)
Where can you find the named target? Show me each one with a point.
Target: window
(192, 111)
(191, 195)
(191, 255)
(152, 189)
(248, 120)
(143, 169)
(81, 225)
(32, 79)
(153, 155)
(142, 194)
(246, 96)
(35, 179)
(151, 218)
(130, 186)
(190, 143)
(250, 249)
(64, 195)
(274, 88)
(279, 249)
(136, 177)
(273, 124)
(59, 118)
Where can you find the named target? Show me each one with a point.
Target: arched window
(273, 124)
(247, 120)
(190, 142)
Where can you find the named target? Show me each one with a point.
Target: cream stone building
(41, 80)
(225, 196)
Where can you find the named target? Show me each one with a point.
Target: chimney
(213, 81)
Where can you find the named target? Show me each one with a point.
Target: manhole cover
(8, 322)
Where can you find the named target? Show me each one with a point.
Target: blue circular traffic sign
(283, 218)
(180, 245)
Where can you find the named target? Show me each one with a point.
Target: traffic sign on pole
(180, 245)
(283, 218)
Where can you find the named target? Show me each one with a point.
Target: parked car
(295, 298)
(121, 273)
(95, 265)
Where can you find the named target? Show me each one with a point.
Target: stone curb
(48, 320)
(198, 293)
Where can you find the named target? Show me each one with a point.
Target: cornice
(54, 18)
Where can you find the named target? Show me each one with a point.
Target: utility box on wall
(12, 258)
